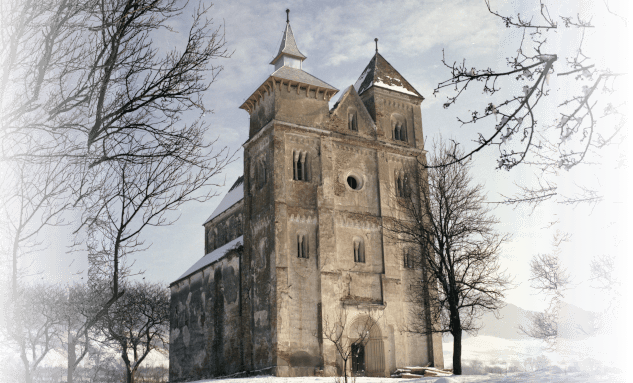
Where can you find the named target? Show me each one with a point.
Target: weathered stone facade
(317, 186)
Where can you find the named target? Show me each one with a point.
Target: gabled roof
(351, 92)
(235, 195)
(381, 74)
(289, 46)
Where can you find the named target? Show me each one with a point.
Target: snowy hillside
(575, 323)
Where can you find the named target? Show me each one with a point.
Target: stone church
(298, 244)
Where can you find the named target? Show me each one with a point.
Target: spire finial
(376, 40)
(287, 15)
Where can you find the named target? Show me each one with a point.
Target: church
(297, 246)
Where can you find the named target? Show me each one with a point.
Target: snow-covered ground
(541, 376)
(527, 354)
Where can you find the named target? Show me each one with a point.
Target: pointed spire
(381, 74)
(288, 45)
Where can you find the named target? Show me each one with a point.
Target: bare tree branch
(458, 248)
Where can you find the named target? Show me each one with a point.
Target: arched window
(302, 246)
(352, 120)
(299, 166)
(359, 250)
(401, 184)
(399, 130)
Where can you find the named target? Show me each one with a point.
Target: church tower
(318, 185)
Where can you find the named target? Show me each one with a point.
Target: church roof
(299, 75)
(235, 195)
(292, 74)
(212, 257)
(289, 46)
(381, 74)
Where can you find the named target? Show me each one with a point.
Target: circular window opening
(353, 182)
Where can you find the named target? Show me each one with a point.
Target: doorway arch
(368, 357)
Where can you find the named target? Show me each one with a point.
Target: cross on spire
(287, 15)
(376, 40)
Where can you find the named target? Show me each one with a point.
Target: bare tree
(583, 97)
(607, 275)
(32, 324)
(82, 307)
(43, 46)
(458, 248)
(142, 90)
(84, 81)
(134, 196)
(603, 273)
(550, 278)
(346, 335)
(137, 324)
(81, 75)
(33, 198)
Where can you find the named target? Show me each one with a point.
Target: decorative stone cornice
(302, 139)
(354, 149)
(302, 219)
(399, 158)
(356, 223)
(396, 104)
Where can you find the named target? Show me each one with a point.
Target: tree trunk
(28, 378)
(71, 358)
(129, 376)
(457, 351)
(345, 370)
(456, 326)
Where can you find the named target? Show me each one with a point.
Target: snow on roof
(235, 195)
(212, 256)
(361, 79)
(397, 88)
(381, 74)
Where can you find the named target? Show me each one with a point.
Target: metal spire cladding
(288, 45)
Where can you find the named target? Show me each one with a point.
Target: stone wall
(224, 228)
(205, 339)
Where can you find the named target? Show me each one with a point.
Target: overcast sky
(338, 39)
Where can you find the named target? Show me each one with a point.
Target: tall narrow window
(408, 258)
(299, 166)
(401, 184)
(302, 246)
(400, 132)
(359, 250)
(352, 122)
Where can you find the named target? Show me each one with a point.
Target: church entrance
(358, 359)
(368, 357)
